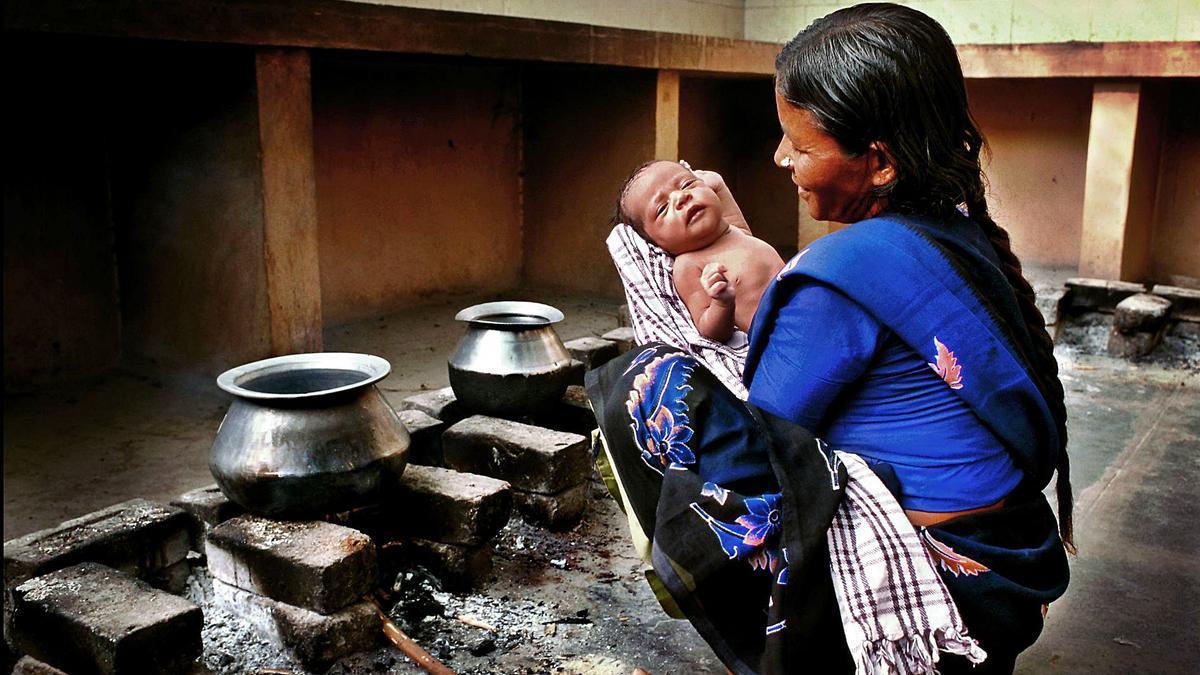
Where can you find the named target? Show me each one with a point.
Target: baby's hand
(712, 179)
(716, 284)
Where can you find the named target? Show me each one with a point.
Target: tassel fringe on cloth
(897, 613)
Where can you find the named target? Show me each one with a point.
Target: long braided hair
(884, 72)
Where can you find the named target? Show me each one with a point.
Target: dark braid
(881, 72)
(1047, 366)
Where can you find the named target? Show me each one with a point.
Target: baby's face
(678, 211)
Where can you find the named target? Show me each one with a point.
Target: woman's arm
(729, 207)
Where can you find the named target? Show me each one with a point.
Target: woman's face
(834, 185)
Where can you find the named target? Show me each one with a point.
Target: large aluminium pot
(308, 435)
(510, 361)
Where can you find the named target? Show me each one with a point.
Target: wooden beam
(289, 200)
(1121, 179)
(666, 116)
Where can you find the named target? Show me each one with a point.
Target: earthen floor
(1133, 605)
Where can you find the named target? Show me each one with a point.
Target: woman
(909, 338)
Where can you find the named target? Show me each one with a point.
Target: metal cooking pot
(307, 435)
(510, 362)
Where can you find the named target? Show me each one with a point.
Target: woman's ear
(880, 164)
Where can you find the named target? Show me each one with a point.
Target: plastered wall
(1038, 134)
(187, 206)
(60, 283)
(585, 131)
(967, 21)
(417, 185)
(1176, 238)
(723, 18)
(1004, 21)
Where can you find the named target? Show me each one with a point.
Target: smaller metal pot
(307, 435)
(510, 361)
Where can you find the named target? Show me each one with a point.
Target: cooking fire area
(461, 530)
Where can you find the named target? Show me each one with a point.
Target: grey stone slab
(623, 337)
(593, 351)
(313, 639)
(1141, 313)
(90, 618)
(531, 458)
(560, 511)
(138, 536)
(451, 506)
(425, 432)
(311, 564)
(439, 403)
(1099, 294)
(1185, 302)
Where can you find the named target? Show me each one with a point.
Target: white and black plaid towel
(896, 611)
(659, 315)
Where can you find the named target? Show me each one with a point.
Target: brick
(315, 640)
(139, 536)
(451, 506)
(425, 432)
(441, 404)
(311, 564)
(1141, 313)
(531, 458)
(560, 511)
(92, 618)
(172, 579)
(28, 665)
(206, 506)
(623, 336)
(623, 318)
(593, 351)
(1099, 294)
(458, 567)
(1132, 344)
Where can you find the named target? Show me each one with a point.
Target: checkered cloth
(659, 315)
(896, 611)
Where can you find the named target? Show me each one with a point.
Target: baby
(720, 270)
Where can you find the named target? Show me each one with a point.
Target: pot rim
(477, 314)
(374, 367)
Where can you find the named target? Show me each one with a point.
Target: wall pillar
(666, 116)
(1122, 176)
(289, 200)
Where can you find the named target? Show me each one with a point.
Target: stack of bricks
(543, 455)
(88, 595)
(304, 585)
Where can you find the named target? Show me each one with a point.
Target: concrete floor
(1133, 605)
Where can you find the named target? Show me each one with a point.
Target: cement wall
(730, 127)
(585, 131)
(1038, 134)
(417, 185)
(1176, 240)
(60, 283)
(132, 210)
(723, 18)
(187, 207)
(967, 21)
(1004, 21)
